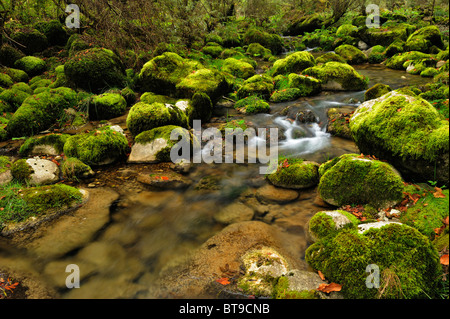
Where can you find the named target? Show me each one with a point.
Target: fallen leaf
(444, 259)
(446, 220)
(164, 178)
(327, 288)
(321, 275)
(438, 193)
(223, 281)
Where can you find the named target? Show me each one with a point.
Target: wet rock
(44, 171)
(234, 213)
(362, 228)
(164, 180)
(5, 177)
(307, 116)
(272, 194)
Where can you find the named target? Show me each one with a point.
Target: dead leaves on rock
(327, 288)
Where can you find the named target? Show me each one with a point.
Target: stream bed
(141, 232)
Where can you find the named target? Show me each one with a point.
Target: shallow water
(150, 230)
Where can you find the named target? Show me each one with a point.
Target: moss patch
(295, 173)
(106, 106)
(293, 63)
(57, 141)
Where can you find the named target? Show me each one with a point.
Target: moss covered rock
(295, 173)
(38, 112)
(154, 145)
(308, 85)
(31, 65)
(199, 107)
(72, 169)
(252, 104)
(206, 81)
(257, 50)
(346, 30)
(385, 36)
(424, 39)
(9, 55)
(51, 144)
(376, 91)
(161, 74)
(408, 263)
(337, 76)
(32, 40)
(397, 61)
(16, 74)
(268, 40)
(53, 31)
(328, 57)
(351, 54)
(212, 49)
(14, 98)
(95, 69)
(377, 54)
(106, 106)
(98, 147)
(259, 84)
(143, 117)
(328, 223)
(405, 130)
(352, 179)
(394, 48)
(238, 68)
(293, 63)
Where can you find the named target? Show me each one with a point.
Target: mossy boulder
(407, 131)
(238, 68)
(395, 47)
(293, 63)
(9, 55)
(268, 40)
(397, 61)
(199, 107)
(285, 95)
(14, 98)
(206, 81)
(429, 72)
(161, 74)
(338, 119)
(351, 54)
(22, 86)
(51, 144)
(353, 179)
(251, 105)
(328, 57)
(31, 65)
(212, 49)
(21, 170)
(385, 36)
(337, 76)
(155, 145)
(72, 169)
(407, 262)
(98, 147)
(144, 117)
(95, 70)
(53, 31)
(5, 80)
(424, 39)
(259, 84)
(308, 85)
(377, 54)
(257, 50)
(376, 91)
(106, 106)
(328, 223)
(346, 30)
(16, 74)
(32, 40)
(39, 111)
(295, 173)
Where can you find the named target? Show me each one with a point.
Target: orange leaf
(446, 220)
(164, 178)
(321, 275)
(438, 193)
(444, 259)
(327, 288)
(223, 281)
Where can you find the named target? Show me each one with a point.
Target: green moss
(97, 147)
(353, 180)
(206, 81)
(144, 117)
(161, 74)
(293, 63)
(386, 36)
(32, 40)
(308, 85)
(424, 38)
(406, 126)
(282, 291)
(14, 98)
(346, 30)
(329, 56)
(238, 68)
(285, 95)
(16, 74)
(322, 224)
(53, 31)
(441, 242)
(428, 212)
(20, 170)
(257, 50)
(429, 72)
(295, 173)
(22, 86)
(397, 61)
(377, 54)
(150, 97)
(106, 106)
(200, 108)
(408, 263)
(252, 104)
(261, 85)
(268, 40)
(55, 140)
(5, 80)
(395, 47)
(5, 163)
(41, 83)
(213, 49)
(376, 91)
(31, 65)
(73, 169)
(95, 69)
(351, 54)
(163, 132)
(442, 55)
(9, 55)
(339, 76)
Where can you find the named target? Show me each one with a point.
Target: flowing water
(149, 230)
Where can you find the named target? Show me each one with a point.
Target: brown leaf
(438, 193)
(327, 288)
(444, 259)
(321, 275)
(446, 220)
